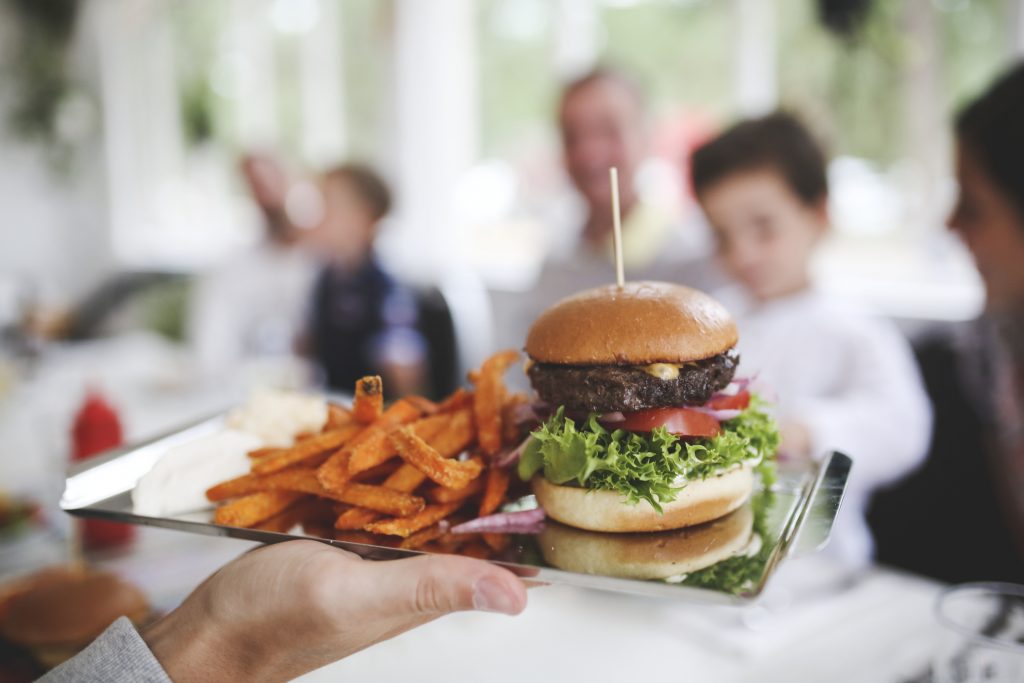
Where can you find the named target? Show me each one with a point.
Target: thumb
(433, 585)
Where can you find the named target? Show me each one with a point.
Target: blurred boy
(363, 321)
(843, 381)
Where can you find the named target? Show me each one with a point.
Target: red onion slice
(511, 456)
(720, 415)
(522, 522)
(525, 413)
(612, 418)
(737, 385)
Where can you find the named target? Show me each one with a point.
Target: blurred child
(843, 381)
(363, 321)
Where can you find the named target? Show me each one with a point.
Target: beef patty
(608, 388)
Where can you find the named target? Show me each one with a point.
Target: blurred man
(602, 121)
(253, 305)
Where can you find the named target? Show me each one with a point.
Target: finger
(434, 585)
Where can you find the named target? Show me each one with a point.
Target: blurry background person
(602, 123)
(843, 380)
(961, 517)
(363, 320)
(255, 304)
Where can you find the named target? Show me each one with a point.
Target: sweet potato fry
(370, 453)
(234, 488)
(422, 537)
(308, 448)
(426, 459)
(254, 508)
(334, 473)
(337, 417)
(379, 499)
(426, 406)
(443, 494)
(355, 518)
(406, 478)
(494, 491)
(377, 449)
(301, 479)
(457, 435)
(487, 402)
(368, 404)
(261, 453)
(406, 526)
(310, 510)
(378, 473)
(461, 398)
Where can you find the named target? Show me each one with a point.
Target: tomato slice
(738, 401)
(678, 421)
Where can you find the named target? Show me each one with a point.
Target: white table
(879, 630)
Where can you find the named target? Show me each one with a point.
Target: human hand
(282, 610)
(267, 180)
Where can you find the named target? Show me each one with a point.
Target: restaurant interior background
(122, 123)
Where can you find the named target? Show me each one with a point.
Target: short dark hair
(367, 183)
(605, 74)
(992, 128)
(779, 142)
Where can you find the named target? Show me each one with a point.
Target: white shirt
(851, 380)
(253, 305)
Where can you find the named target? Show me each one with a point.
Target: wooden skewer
(620, 276)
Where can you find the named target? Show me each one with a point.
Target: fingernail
(491, 596)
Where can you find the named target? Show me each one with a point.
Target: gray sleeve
(119, 655)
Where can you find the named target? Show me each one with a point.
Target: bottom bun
(700, 501)
(657, 555)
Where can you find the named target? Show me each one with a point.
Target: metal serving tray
(793, 518)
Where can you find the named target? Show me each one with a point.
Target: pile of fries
(399, 476)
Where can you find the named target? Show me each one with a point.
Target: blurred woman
(961, 518)
(989, 218)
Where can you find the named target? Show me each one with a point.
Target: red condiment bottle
(96, 429)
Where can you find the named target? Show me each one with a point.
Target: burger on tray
(647, 429)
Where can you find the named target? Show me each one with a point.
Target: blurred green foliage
(37, 70)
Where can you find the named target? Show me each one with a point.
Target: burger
(661, 555)
(54, 614)
(646, 429)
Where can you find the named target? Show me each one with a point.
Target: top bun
(69, 608)
(637, 324)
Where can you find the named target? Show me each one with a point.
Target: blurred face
(765, 233)
(348, 228)
(993, 230)
(602, 126)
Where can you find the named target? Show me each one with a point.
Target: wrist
(190, 648)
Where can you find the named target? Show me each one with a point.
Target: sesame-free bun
(62, 610)
(648, 556)
(700, 501)
(637, 324)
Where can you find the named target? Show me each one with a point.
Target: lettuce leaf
(645, 466)
(740, 573)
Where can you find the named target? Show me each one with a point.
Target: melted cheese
(662, 370)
